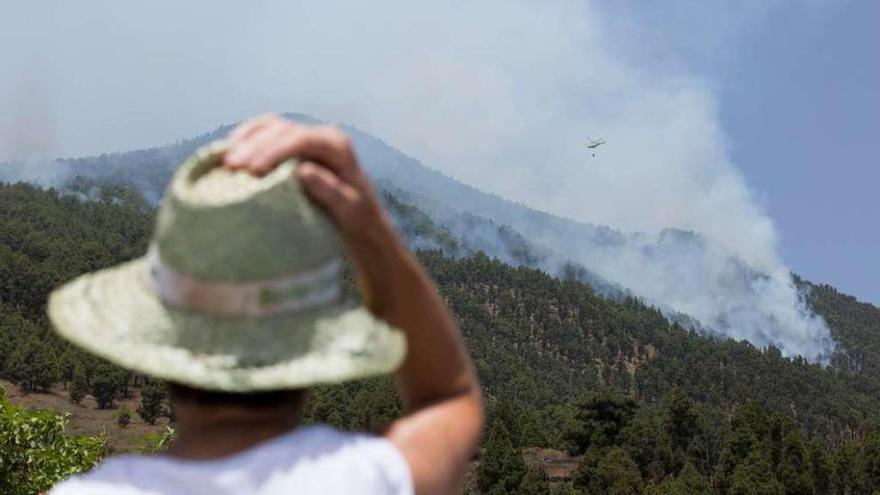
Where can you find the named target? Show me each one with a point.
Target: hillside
(551, 353)
(695, 281)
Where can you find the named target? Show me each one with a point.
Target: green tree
(755, 476)
(617, 474)
(682, 420)
(105, 387)
(599, 421)
(123, 418)
(688, 482)
(152, 396)
(650, 446)
(822, 467)
(79, 385)
(33, 365)
(868, 466)
(747, 434)
(534, 482)
(586, 469)
(794, 470)
(501, 468)
(35, 453)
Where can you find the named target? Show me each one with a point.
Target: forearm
(396, 287)
(440, 433)
(436, 380)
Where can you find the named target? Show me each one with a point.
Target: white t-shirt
(310, 459)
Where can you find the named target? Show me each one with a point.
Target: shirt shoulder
(313, 459)
(107, 477)
(368, 461)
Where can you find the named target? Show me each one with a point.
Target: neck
(205, 433)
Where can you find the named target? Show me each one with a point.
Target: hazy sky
(749, 121)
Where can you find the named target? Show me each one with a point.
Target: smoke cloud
(499, 94)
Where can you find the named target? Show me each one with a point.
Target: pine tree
(822, 467)
(599, 421)
(650, 446)
(33, 365)
(501, 467)
(755, 476)
(617, 474)
(152, 396)
(682, 421)
(869, 463)
(794, 470)
(748, 431)
(586, 469)
(107, 385)
(688, 482)
(78, 384)
(534, 482)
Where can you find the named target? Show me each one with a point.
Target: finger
(328, 191)
(249, 126)
(325, 145)
(265, 149)
(242, 154)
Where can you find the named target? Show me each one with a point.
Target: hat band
(291, 294)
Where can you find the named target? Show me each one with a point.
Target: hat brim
(115, 314)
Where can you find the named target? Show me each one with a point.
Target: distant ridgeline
(678, 272)
(646, 403)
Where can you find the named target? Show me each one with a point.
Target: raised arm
(441, 430)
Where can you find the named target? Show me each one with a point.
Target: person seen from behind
(239, 306)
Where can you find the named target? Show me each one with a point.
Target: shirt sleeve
(393, 466)
(75, 486)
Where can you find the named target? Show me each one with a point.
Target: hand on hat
(440, 434)
(329, 173)
(331, 176)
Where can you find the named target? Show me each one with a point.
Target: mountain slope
(689, 278)
(551, 352)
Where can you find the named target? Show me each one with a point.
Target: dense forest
(644, 404)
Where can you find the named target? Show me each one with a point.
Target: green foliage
(33, 365)
(534, 482)
(367, 405)
(157, 442)
(106, 386)
(688, 482)
(600, 420)
(858, 466)
(616, 474)
(152, 396)
(35, 453)
(123, 418)
(682, 408)
(682, 423)
(755, 476)
(650, 446)
(79, 385)
(793, 471)
(501, 469)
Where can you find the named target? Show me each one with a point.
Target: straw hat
(240, 291)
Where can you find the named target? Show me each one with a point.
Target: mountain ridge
(719, 297)
(550, 352)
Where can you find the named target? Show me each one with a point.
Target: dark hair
(258, 400)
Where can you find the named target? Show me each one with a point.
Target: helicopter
(593, 144)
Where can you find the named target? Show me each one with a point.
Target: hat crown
(221, 225)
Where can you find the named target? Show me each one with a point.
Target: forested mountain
(612, 262)
(646, 405)
(647, 399)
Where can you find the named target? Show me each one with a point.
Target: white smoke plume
(499, 94)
